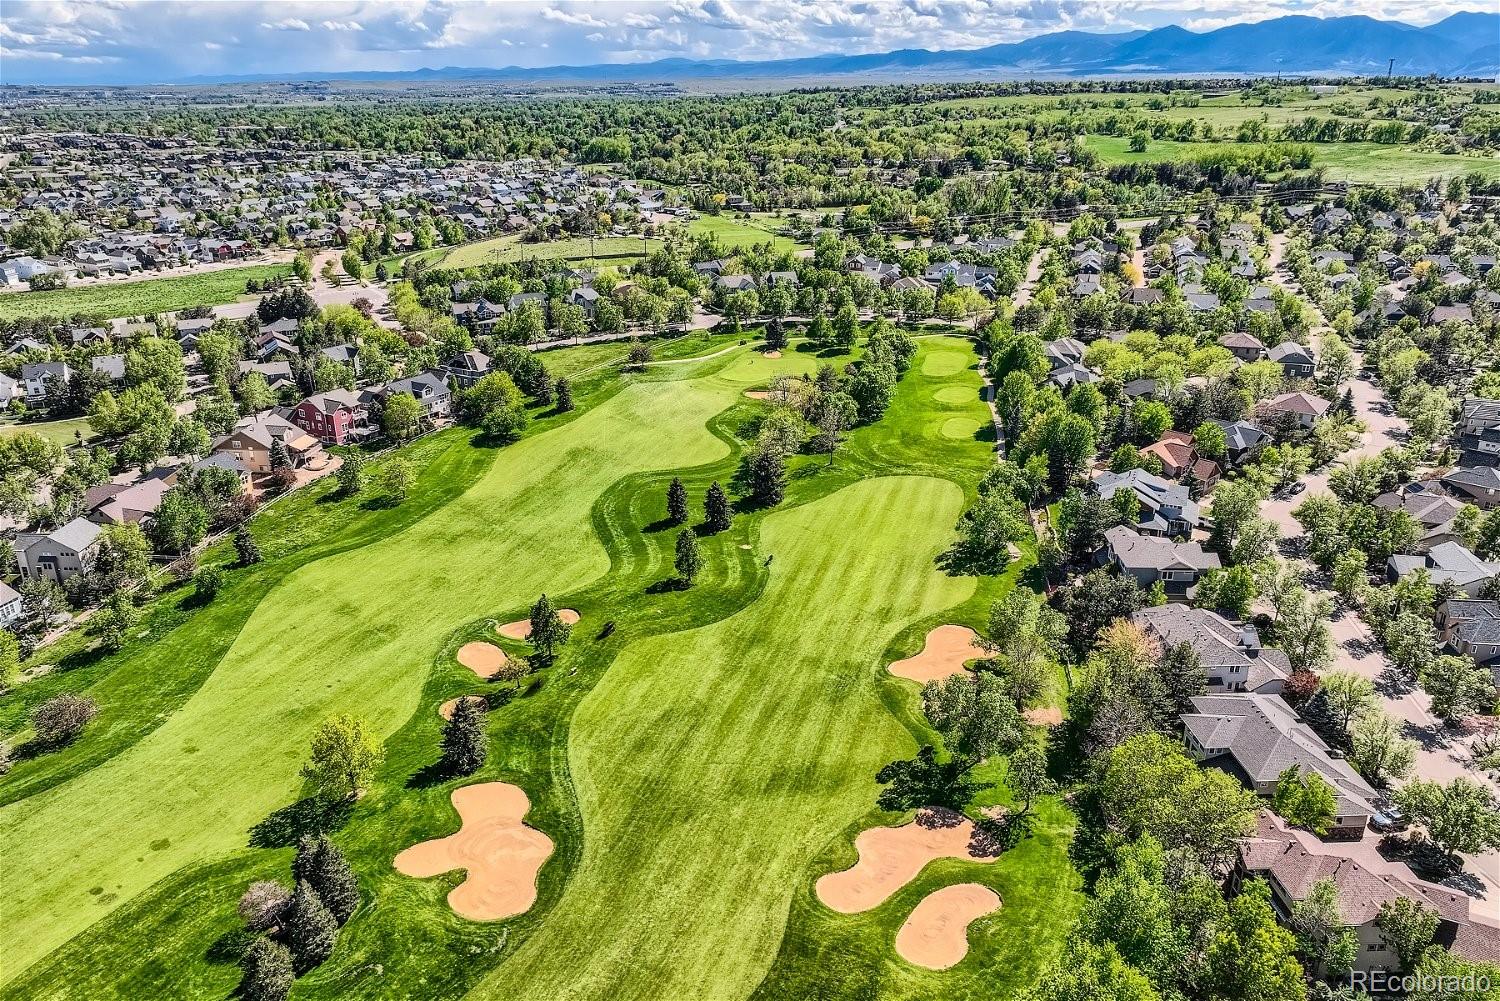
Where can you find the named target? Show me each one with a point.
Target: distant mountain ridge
(1462, 44)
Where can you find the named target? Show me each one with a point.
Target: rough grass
(62, 432)
(138, 298)
(602, 251)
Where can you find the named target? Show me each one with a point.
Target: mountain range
(1462, 44)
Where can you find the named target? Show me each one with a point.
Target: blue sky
(152, 41)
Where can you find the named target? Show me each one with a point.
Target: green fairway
(139, 298)
(599, 252)
(349, 634)
(711, 766)
(64, 432)
(1369, 163)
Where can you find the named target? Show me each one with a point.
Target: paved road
(1033, 275)
(1441, 755)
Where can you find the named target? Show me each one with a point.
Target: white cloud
(343, 26)
(286, 24)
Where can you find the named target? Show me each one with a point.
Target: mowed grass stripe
(354, 633)
(712, 766)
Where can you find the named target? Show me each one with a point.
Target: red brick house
(334, 418)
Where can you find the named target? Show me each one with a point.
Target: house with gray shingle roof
(1231, 654)
(1177, 565)
(58, 554)
(1446, 561)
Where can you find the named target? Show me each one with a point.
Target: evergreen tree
(464, 749)
(689, 561)
(564, 391)
(775, 334)
(267, 971)
(279, 457)
(768, 476)
(716, 508)
(1182, 674)
(245, 546)
(677, 502)
(310, 928)
(322, 866)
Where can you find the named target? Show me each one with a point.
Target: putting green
(713, 765)
(954, 394)
(959, 427)
(353, 633)
(945, 363)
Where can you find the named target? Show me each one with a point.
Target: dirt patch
(758, 394)
(521, 628)
(943, 654)
(772, 354)
(446, 709)
(499, 853)
(1044, 716)
(484, 659)
(891, 857)
(936, 935)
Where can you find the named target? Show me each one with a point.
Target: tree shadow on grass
(313, 815)
(229, 948)
(660, 525)
(667, 585)
(430, 775)
(381, 502)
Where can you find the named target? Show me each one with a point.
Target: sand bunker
(891, 857)
(943, 654)
(484, 659)
(758, 394)
(1045, 716)
(936, 935)
(521, 629)
(772, 354)
(446, 709)
(501, 855)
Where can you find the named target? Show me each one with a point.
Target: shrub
(262, 905)
(267, 971)
(61, 719)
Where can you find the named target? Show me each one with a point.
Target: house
(1292, 865)
(38, 375)
(429, 389)
(1305, 408)
(253, 437)
(1478, 429)
(1446, 561)
(111, 366)
(467, 367)
(11, 606)
(214, 460)
(60, 554)
(1179, 457)
(1064, 351)
(1243, 441)
(1479, 485)
(1065, 377)
(1429, 507)
(122, 504)
(1143, 296)
(1166, 508)
(585, 298)
(342, 354)
(1233, 659)
(1295, 360)
(1245, 347)
(335, 417)
(278, 374)
(1262, 737)
(1471, 627)
(1148, 559)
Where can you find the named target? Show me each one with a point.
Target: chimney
(1249, 640)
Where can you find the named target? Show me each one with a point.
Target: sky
(160, 41)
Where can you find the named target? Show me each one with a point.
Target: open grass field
(697, 768)
(601, 252)
(740, 234)
(64, 432)
(1371, 163)
(138, 298)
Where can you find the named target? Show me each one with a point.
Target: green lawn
(1370, 163)
(62, 432)
(697, 768)
(742, 234)
(600, 252)
(138, 298)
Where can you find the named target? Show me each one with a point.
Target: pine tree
(322, 866)
(564, 391)
(768, 476)
(689, 561)
(716, 508)
(548, 630)
(310, 928)
(245, 546)
(677, 502)
(775, 334)
(267, 971)
(464, 747)
(280, 459)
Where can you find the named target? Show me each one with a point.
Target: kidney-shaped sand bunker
(891, 857)
(936, 934)
(521, 628)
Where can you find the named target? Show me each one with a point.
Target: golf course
(694, 758)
